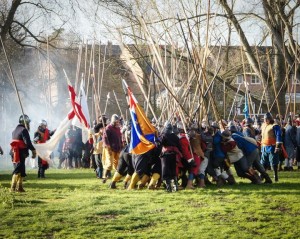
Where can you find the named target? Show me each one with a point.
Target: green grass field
(74, 204)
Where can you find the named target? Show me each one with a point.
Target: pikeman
(98, 145)
(248, 129)
(20, 145)
(270, 144)
(236, 157)
(112, 143)
(125, 166)
(198, 154)
(192, 164)
(170, 157)
(41, 136)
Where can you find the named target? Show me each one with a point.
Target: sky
(89, 24)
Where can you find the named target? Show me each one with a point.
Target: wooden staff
(49, 80)
(233, 103)
(78, 67)
(247, 92)
(102, 72)
(14, 82)
(158, 58)
(107, 98)
(89, 70)
(118, 103)
(216, 113)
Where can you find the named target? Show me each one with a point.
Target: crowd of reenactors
(185, 154)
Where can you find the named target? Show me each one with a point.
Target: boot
(39, 172)
(254, 179)
(116, 177)
(184, 181)
(43, 173)
(266, 177)
(125, 186)
(112, 185)
(231, 180)
(220, 181)
(104, 178)
(153, 181)
(201, 183)
(126, 180)
(275, 174)
(134, 179)
(13, 183)
(189, 184)
(257, 178)
(206, 181)
(175, 185)
(19, 187)
(158, 184)
(144, 181)
(168, 186)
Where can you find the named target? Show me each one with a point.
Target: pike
(204, 76)
(14, 81)
(107, 98)
(158, 58)
(118, 103)
(126, 55)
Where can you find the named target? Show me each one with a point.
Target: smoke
(43, 95)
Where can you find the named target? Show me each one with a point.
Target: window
(239, 79)
(255, 80)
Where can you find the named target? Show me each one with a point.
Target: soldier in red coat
(20, 146)
(41, 136)
(191, 161)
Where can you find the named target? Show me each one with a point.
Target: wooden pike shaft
(118, 103)
(13, 80)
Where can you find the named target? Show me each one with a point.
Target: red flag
(77, 110)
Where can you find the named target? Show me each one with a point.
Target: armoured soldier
(68, 147)
(41, 136)
(20, 145)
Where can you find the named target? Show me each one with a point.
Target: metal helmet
(215, 125)
(43, 123)
(268, 116)
(233, 129)
(24, 119)
(114, 118)
(249, 121)
(226, 134)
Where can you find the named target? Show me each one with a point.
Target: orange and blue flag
(142, 131)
